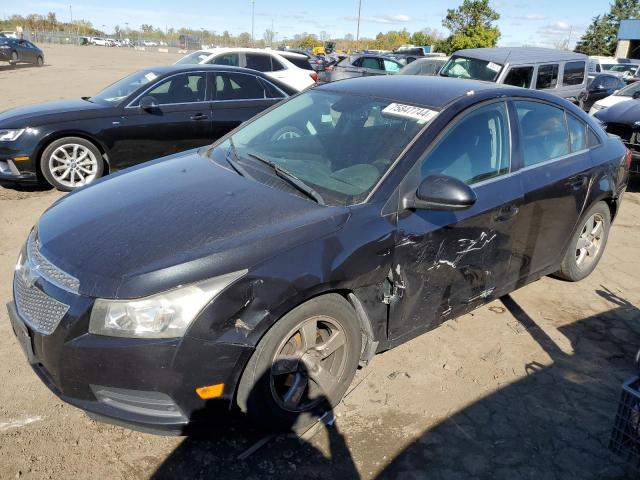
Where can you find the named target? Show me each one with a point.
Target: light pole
(358, 29)
(253, 11)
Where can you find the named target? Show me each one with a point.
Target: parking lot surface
(525, 387)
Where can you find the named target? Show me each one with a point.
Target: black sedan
(599, 86)
(623, 119)
(261, 271)
(151, 113)
(16, 50)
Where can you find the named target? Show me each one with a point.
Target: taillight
(314, 76)
(628, 158)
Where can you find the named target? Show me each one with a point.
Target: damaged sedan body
(259, 272)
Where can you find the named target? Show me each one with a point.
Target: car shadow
(554, 423)
(20, 66)
(634, 183)
(236, 449)
(26, 187)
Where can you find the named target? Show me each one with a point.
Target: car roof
(248, 50)
(434, 92)
(517, 55)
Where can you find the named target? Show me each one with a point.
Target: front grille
(49, 270)
(41, 312)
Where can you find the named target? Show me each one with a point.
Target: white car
(150, 43)
(103, 42)
(291, 68)
(629, 92)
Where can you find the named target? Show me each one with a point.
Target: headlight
(164, 315)
(10, 135)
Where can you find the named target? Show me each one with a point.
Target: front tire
(71, 162)
(302, 366)
(39, 61)
(14, 59)
(587, 244)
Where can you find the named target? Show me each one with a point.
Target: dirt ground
(526, 387)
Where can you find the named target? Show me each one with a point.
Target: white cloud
(387, 19)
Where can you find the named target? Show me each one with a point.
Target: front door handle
(506, 213)
(578, 183)
(199, 116)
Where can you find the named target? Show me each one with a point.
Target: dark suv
(360, 66)
(260, 271)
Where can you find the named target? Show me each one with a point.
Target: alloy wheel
(590, 241)
(73, 165)
(308, 364)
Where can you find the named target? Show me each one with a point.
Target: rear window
(300, 62)
(573, 73)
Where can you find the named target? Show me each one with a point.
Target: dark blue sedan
(259, 272)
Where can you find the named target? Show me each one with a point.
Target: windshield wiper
(231, 161)
(290, 178)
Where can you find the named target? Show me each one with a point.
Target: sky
(533, 22)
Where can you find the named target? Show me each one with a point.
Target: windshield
(623, 68)
(115, 93)
(338, 144)
(462, 67)
(193, 58)
(629, 90)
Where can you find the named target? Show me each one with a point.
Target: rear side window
(239, 86)
(592, 138)
(547, 76)
(300, 62)
(272, 91)
(369, 62)
(543, 130)
(573, 73)
(258, 61)
(519, 77)
(391, 66)
(577, 133)
(475, 148)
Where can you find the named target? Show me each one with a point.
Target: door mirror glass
(636, 95)
(148, 104)
(441, 192)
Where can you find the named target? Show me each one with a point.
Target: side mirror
(148, 104)
(440, 192)
(636, 95)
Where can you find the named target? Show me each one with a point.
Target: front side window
(231, 59)
(476, 148)
(543, 130)
(473, 68)
(573, 73)
(183, 88)
(239, 86)
(258, 61)
(391, 66)
(547, 76)
(340, 144)
(117, 92)
(519, 77)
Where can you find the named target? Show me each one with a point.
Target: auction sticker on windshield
(423, 115)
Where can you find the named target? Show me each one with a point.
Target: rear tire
(302, 366)
(14, 59)
(587, 244)
(71, 162)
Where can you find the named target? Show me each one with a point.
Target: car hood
(623, 112)
(612, 100)
(175, 221)
(41, 113)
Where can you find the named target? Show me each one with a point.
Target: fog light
(210, 391)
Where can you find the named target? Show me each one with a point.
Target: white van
(555, 71)
(599, 64)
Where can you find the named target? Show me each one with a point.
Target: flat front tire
(587, 244)
(71, 162)
(303, 365)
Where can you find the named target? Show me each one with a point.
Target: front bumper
(146, 385)
(12, 170)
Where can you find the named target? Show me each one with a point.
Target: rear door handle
(506, 213)
(199, 116)
(578, 183)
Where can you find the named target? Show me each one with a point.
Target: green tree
(601, 37)
(471, 26)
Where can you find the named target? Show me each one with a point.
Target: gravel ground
(525, 387)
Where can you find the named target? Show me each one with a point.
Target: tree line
(471, 25)
(601, 36)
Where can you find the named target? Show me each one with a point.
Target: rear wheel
(71, 162)
(14, 58)
(587, 244)
(303, 365)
